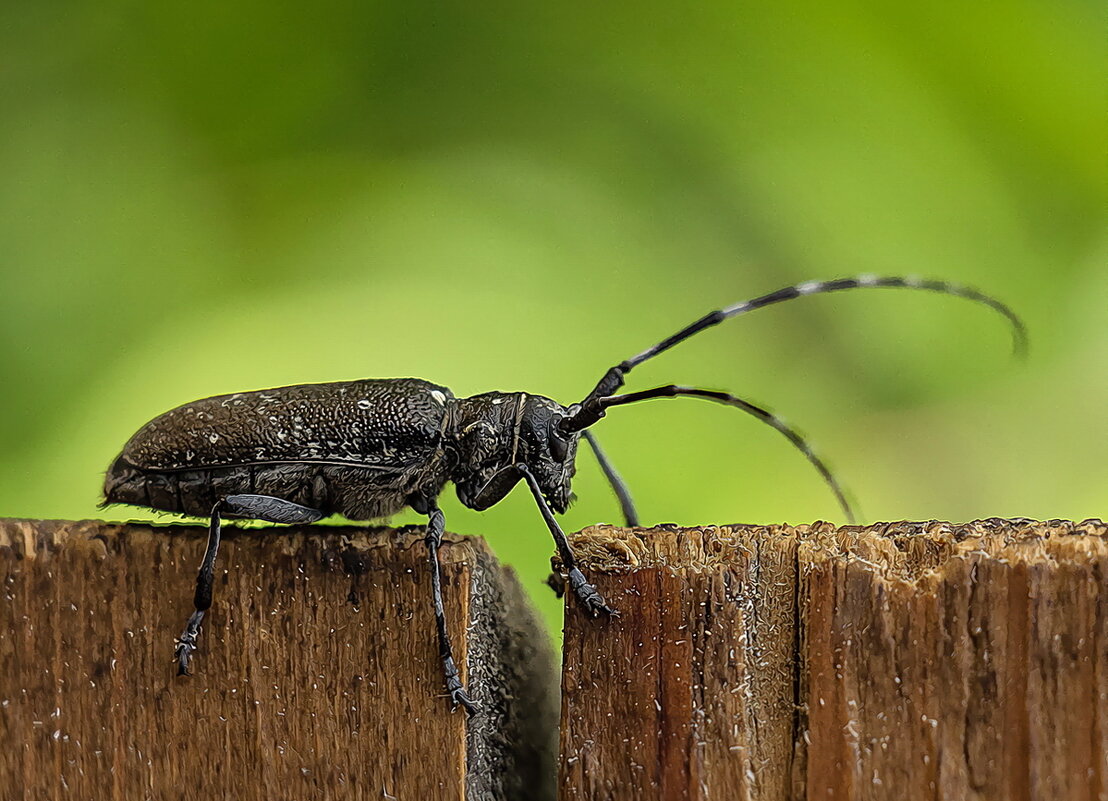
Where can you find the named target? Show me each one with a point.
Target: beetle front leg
(254, 507)
(436, 525)
(586, 593)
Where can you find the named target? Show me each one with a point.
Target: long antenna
(766, 416)
(589, 411)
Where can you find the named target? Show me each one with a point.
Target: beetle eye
(558, 446)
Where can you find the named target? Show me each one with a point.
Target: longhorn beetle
(367, 449)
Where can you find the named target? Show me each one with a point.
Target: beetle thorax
(496, 430)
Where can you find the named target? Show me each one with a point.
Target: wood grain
(900, 661)
(317, 676)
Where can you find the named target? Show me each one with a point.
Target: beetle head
(497, 431)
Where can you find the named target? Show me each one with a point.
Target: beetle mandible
(367, 449)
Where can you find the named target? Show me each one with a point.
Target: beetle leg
(615, 480)
(623, 495)
(586, 593)
(255, 507)
(436, 525)
(202, 600)
(270, 509)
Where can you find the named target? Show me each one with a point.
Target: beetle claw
(186, 643)
(182, 653)
(597, 606)
(460, 697)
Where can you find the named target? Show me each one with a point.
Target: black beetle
(367, 449)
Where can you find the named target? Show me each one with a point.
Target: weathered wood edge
(614, 549)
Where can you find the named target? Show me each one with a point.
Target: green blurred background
(205, 198)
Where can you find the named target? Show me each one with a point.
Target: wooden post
(317, 677)
(902, 661)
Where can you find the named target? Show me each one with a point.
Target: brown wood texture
(899, 661)
(317, 676)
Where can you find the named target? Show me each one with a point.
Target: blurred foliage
(209, 198)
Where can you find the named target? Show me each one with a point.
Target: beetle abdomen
(387, 423)
(353, 492)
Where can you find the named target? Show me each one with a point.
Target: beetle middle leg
(615, 480)
(255, 507)
(436, 525)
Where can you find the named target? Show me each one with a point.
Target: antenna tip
(1020, 342)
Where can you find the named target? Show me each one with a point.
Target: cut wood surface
(899, 661)
(317, 674)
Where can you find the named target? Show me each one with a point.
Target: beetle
(368, 449)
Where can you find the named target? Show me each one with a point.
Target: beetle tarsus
(459, 696)
(588, 595)
(182, 657)
(455, 689)
(186, 643)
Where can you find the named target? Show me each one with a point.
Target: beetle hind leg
(270, 509)
(202, 600)
(255, 507)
